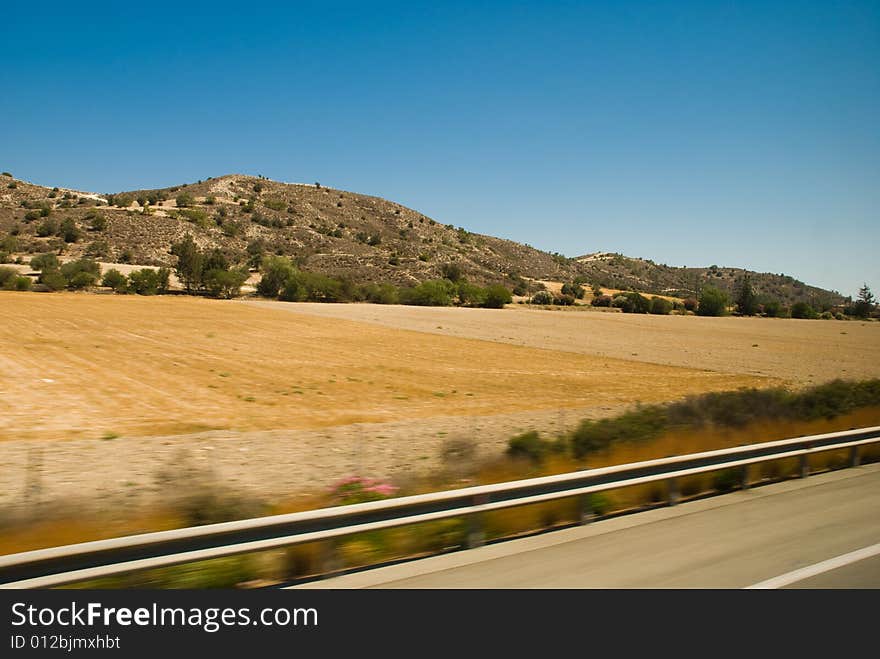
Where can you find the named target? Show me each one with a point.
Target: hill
(334, 232)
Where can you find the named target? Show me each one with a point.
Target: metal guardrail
(44, 568)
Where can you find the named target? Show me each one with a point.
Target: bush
(690, 304)
(43, 262)
(18, 283)
(471, 295)
(660, 307)
(81, 274)
(433, 293)
(593, 436)
(803, 310)
(632, 303)
(224, 283)
(380, 294)
(530, 446)
(277, 272)
(563, 300)
(6, 274)
(99, 222)
(47, 227)
(601, 301)
(184, 200)
(575, 290)
(149, 281)
(497, 296)
(115, 280)
(68, 231)
(713, 302)
(451, 271)
(52, 280)
(542, 297)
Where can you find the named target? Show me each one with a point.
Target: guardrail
(56, 566)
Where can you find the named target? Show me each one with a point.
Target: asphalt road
(796, 534)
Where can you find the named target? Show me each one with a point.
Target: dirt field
(100, 393)
(800, 352)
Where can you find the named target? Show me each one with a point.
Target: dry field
(98, 393)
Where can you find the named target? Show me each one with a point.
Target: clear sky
(692, 133)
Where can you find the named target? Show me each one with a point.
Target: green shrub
(497, 296)
(713, 302)
(149, 281)
(184, 200)
(52, 280)
(803, 310)
(83, 273)
(99, 222)
(433, 293)
(660, 306)
(45, 261)
(47, 227)
(275, 204)
(639, 424)
(18, 283)
(7, 274)
(470, 295)
(601, 301)
(380, 294)
(115, 280)
(530, 446)
(277, 272)
(197, 216)
(69, 231)
(631, 303)
(224, 283)
(542, 297)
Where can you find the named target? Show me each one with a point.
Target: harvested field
(799, 352)
(101, 392)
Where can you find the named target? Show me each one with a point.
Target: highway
(819, 532)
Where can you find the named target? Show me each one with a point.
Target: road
(796, 534)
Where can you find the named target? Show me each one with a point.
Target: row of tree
(281, 279)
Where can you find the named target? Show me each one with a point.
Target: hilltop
(334, 232)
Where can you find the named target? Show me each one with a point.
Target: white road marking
(817, 568)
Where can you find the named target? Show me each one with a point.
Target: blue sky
(691, 133)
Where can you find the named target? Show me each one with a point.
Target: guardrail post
(329, 558)
(585, 506)
(476, 535)
(745, 477)
(672, 491)
(854, 457)
(805, 465)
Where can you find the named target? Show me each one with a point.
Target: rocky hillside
(339, 233)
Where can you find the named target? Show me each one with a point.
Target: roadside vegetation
(712, 421)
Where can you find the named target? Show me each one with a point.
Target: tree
(224, 283)
(277, 272)
(190, 263)
(115, 280)
(746, 301)
(148, 281)
(68, 231)
(713, 302)
(497, 296)
(864, 305)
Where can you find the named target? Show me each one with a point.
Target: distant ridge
(335, 232)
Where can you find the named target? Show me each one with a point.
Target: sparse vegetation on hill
(338, 234)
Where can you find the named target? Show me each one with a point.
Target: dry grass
(86, 365)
